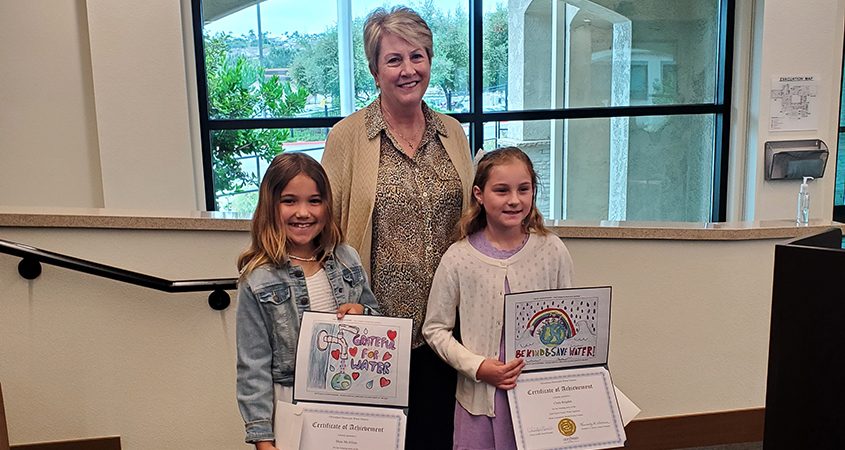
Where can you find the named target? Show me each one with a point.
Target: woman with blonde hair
(402, 176)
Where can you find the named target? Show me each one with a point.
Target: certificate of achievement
(344, 427)
(359, 359)
(558, 328)
(566, 409)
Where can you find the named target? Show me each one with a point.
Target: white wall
(82, 356)
(793, 38)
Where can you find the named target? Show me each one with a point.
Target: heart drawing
(353, 351)
(386, 356)
(355, 375)
(391, 334)
(383, 381)
(336, 354)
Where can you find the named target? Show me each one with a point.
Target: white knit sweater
(473, 284)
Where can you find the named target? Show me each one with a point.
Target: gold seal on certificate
(566, 426)
(564, 398)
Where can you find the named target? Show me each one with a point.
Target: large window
(621, 104)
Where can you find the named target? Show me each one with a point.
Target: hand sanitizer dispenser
(803, 213)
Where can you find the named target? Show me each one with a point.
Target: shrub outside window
(622, 104)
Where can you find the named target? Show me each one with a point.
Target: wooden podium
(805, 390)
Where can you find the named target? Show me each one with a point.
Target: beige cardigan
(473, 284)
(351, 161)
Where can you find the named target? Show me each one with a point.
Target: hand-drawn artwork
(793, 103)
(550, 322)
(356, 359)
(558, 328)
(352, 361)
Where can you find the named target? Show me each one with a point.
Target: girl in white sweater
(503, 248)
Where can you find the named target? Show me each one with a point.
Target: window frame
(720, 108)
(839, 210)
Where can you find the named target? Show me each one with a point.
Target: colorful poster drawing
(559, 328)
(361, 359)
(563, 328)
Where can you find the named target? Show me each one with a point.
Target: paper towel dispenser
(793, 160)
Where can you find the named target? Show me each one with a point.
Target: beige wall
(49, 153)
(82, 356)
(95, 98)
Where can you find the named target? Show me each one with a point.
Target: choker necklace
(299, 258)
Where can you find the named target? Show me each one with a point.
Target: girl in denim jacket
(296, 262)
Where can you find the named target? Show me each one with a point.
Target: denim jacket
(270, 305)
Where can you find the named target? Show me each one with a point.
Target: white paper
(345, 427)
(287, 425)
(558, 328)
(360, 359)
(566, 409)
(794, 103)
(627, 408)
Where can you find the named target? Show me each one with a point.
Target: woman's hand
(499, 374)
(349, 308)
(265, 445)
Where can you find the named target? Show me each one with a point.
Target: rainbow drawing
(552, 326)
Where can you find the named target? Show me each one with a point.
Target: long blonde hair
(268, 240)
(475, 217)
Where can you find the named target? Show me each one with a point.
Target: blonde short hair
(401, 21)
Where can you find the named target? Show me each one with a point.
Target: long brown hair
(269, 242)
(475, 217)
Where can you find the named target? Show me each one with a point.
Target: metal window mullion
(721, 151)
(202, 99)
(345, 56)
(839, 210)
(252, 124)
(476, 78)
(595, 113)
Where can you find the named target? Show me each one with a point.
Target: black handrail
(30, 268)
